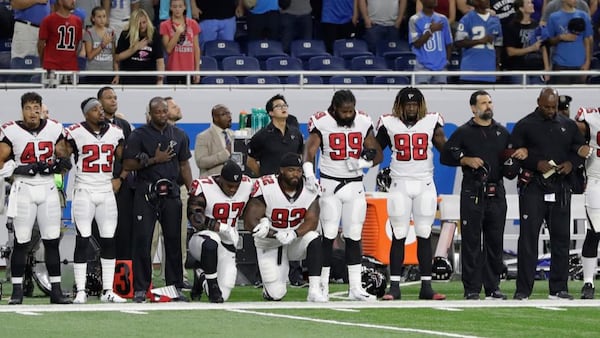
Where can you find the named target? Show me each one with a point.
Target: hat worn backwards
(231, 172)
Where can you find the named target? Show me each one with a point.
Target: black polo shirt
(126, 127)
(546, 139)
(268, 145)
(474, 140)
(146, 138)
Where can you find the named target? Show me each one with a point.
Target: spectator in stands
(100, 43)
(86, 6)
(28, 17)
(382, 20)
(119, 13)
(296, 23)
(140, 49)
(431, 41)
(503, 9)
(463, 7)
(338, 21)
(524, 50)
(570, 32)
(217, 19)
(556, 5)
(479, 34)
(59, 37)
(180, 40)
(165, 11)
(444, 7)
(262, 19)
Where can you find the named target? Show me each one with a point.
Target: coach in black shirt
(555, 145)
(160, 153)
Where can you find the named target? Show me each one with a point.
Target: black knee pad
(81, 248)
(590, 244)
(314, 257)
(209, 255)
(18, 259)
(326, 249)
(397, 252)
(108, 248)
(52, 256)
(424, 255)
(353, 252)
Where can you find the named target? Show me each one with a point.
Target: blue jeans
(295, 27)
(213, 29)
(380, 33)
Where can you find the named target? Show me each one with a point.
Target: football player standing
(96, 144)
(348, 145)
(411, 132)
(214, 206)
(34, 149)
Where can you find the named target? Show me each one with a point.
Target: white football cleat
(361, 295)
(316, 296)
(80, 298)
(110, 297)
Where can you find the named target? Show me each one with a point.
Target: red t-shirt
(182, 56)
(63, 36)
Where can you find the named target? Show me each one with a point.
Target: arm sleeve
(452, 150)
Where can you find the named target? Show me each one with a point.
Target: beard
(344, 122)
(485, 115)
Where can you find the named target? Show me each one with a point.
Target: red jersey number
(405, 142)
(222, 211)
(284, 218)
(92, 153)
(44, 151)
(345, 146)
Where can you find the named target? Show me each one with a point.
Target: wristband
(308, 169)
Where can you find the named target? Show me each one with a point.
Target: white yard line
(28, 313)
(362, 325)
(134, 312)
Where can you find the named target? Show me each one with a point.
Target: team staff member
(125, 189)
(477, 147)
(214, 145)
(554, 144)
(270, 143)
(160, 153)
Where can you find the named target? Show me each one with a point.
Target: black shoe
(186, 286)
(393, 293)
(180, 297)
(214, 292)
(520, 296)
(57, 296)
(496, 295)
(561, 295)
(299, 284)
(472, 296)
(196, 291)
(587, 291)
(427, 292)
(17, 295)
(139, 297)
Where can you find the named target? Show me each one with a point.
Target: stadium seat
(208, 63)
(595, 63)
(283, 63)
(347, 79)
(307, 79)
(305, 49)
(240, 63)
(326, 63)
(391, 80)
(405, 61)
(454, 61)
(350, 48)
(391, 49)
(230, 80)
(368, 63)
(27, 62)
(219, 49)
(264, 49)
(257, 79)
(5, 63)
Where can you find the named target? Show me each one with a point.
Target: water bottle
(265, 118)
(255, 120)
(242, 120)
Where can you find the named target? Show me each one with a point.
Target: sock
(79, 270)
(325, 273)
(354, 277)
(589, 269)
(108, 273)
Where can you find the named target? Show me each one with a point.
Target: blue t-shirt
(34, 14)
(473, 26)
(432, 55)
(337, 11)
(568, 53)
(263, 6)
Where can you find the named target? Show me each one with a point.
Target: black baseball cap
(290, 160)
(231, 172)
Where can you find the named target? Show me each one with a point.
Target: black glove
(44, 168)
(368, 154)
(60, 165)
(26, 169)
(212, 224)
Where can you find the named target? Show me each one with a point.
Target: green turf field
(247, 315)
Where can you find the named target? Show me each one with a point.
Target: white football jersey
(33, 146)
(94, 155)
(592, 117)
(284, 212)
(339, 143)
(219, 206)
(412, 147)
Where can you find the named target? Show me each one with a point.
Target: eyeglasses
(225, 113)
(280, 106)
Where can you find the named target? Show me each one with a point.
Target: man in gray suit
(215, 144)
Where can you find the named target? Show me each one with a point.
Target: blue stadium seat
(240, 63)
(219, 49)
(368, 63)
(391, 80)
(264, 49)
(5, 45)
(326, 63)
(283, 63)
(305, 49)
(391, 49)
(257, 79)
(27, 62)
(208, 63)
(350, 48)
(307, 79)
(347, 79)
(230, 80)
(5, 63)
(405, 61)
(454, 61)
(595, 63)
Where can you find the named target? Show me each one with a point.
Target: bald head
(548, 102)
(221, 116)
